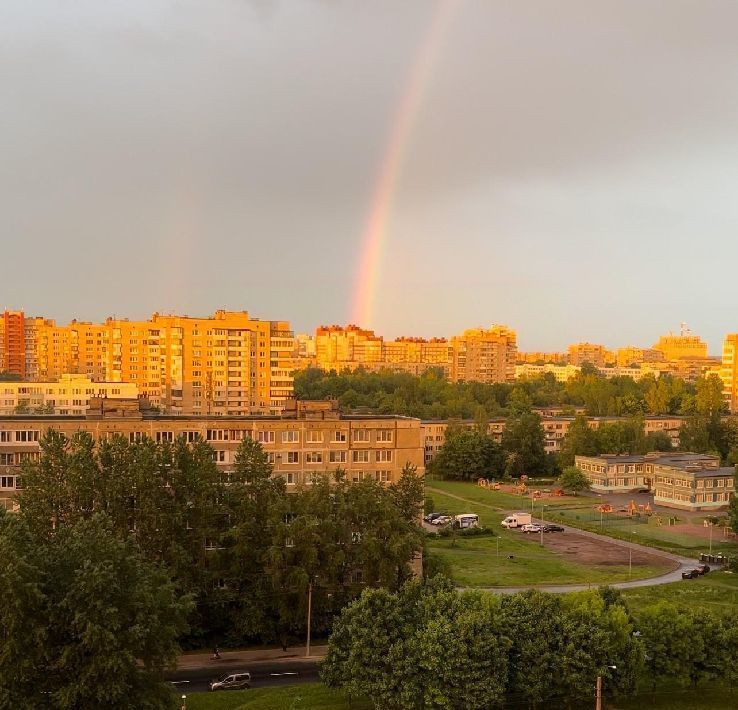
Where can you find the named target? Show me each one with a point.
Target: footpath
(228, 659)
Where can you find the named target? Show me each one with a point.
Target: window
(339, 437)
(384, 435)
(219, 456)
(26, 436)
(383, 476)
(136, 436)
(337, 457)
(162, 436)
(6, 436)
(7, 481)
(265, 437)
(291, 478)
(313, 457)
(360, 456)
(290, 437)
(293, 457)
(216, 435)
(7, 459)
(383, 455)
(361, 435)
(314, 437)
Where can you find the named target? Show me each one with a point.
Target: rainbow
(374, 235)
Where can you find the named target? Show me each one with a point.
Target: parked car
(232, 681)
(531, 528)
(516, 520)
(442, 520)
(691, 574)
(703, 569)
(550, 527)
(431, 517)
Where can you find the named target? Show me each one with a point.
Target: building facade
(594, 354)
(71, 394)
(678, 480)
(307, 440)
(226, 364)
(13, 343)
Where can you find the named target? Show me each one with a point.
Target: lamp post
(310, 611)
(184, 702)
(543, 507)
(598, 691)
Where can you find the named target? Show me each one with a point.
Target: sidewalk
(190, 661)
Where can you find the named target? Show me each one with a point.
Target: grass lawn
(474, 561)
(664, 699)
(717, 591)
(312, 696)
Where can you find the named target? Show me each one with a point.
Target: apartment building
(307, 440)
(484, 355)
(683, 346)
(729, 371)
(562, 373)
(71, 394)
(541, 358)
(678, 480)
(630, 356)
(594, 354)
(555, 427)
(226, 364)
(13, 343)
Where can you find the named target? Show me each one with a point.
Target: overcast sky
(571, 169)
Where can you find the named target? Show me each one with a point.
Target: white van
(516, 520)
(466, 520)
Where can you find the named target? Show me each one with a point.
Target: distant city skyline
(566, 169)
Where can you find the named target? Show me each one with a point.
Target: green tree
(573, 479)
(523, 437)
(580, 440)
(98, 618)
(709, 399)
(426, 647)
(467, 454)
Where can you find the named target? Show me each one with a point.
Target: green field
(717, 591)
(312, 696)
(579, 512)
(317, 697)
(474, 561)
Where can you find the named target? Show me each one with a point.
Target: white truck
(516, 520)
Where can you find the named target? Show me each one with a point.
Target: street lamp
(598, 694)
(184, 702)
(543, 507)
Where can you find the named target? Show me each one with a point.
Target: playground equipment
(604, 508)
(557, 493)
(632, 508)
(520, 489)
(536, 494)
(486, 483)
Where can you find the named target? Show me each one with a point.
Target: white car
(232, 681)
(531, 528)
(443, 520)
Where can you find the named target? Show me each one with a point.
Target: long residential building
(226, 364)
(308, 439)
(477, 355)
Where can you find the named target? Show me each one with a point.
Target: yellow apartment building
(484, 355)
(338, 348)
(629, 356)
(678, 347)
(593, 353)
(729, 371)
(227, 364)
(308, 440)
(71, 394)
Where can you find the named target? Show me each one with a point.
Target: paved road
(267, 667)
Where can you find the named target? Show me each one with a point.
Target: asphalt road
(263, 674)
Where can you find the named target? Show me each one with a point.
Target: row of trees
(430, 647)
(431, 396)
(244, 549)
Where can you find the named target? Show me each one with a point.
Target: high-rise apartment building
(484, 355)
(729, 371)
(629, 356)
(338, 348)
(13, 343)
(227, 364)
(594, 354)
(683, 346)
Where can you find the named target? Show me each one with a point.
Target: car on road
(691, 574)
(531, 528)
(232, 681)
(703, 569)
(550, 527)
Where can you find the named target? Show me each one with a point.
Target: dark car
(703, 569)
(691, 574)
(431, 517)
(552, 528)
